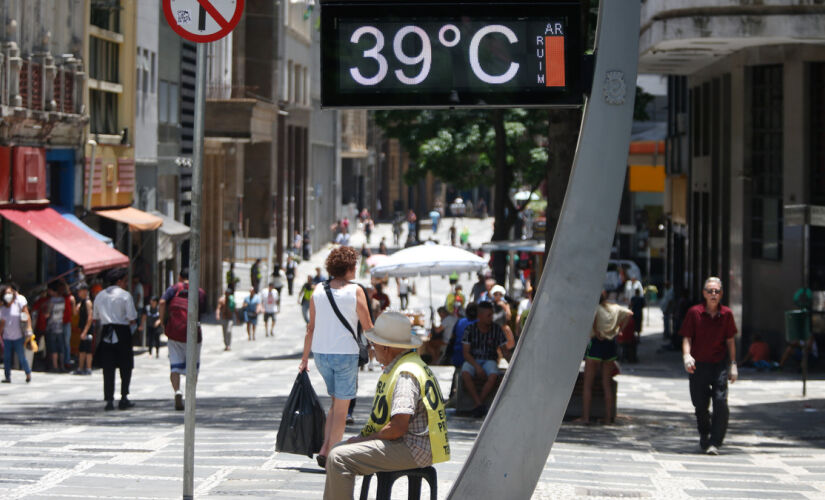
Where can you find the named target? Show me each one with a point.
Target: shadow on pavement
(294, 355)
(236, 413)
(783, 425)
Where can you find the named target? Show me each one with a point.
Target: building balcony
(41, 99)
(244, 120)
(354, 133)
(683, 36)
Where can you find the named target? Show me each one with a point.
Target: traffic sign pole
(194, 280)
(199, 21)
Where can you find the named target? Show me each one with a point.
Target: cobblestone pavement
(56, 441)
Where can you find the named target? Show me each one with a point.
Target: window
(103, 112)
(168, 107)
(173, 104)
(103, 60)
(297, 73)
(106, 14)
(290, 91)
(144, 63)
(163, 102)
(152, 72)
(306, 86)
(766, 161)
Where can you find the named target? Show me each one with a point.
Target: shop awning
(172, 228)
(82, 225)
(138, 220)
(51, 228)
(170, 234)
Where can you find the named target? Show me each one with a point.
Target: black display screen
(417, 55)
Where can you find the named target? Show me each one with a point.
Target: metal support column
(515, 439)
(194, 279)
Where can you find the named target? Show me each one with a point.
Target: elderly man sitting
(407, 428)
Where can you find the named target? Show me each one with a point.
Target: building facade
(744, 145)
(42, 121)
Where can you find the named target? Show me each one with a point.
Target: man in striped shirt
(481, 343)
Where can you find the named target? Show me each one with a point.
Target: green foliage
(458, 146)
(640, 105)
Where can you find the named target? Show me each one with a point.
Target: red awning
(54, 230)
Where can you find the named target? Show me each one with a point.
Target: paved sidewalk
(58, 443)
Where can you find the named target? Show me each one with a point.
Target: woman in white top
(14, 317)
(333, 345)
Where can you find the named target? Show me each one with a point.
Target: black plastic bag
(302, 425)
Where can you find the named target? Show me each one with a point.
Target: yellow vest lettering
(431, 397)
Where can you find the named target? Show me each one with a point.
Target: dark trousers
(153, 339)
(116, 356)
(405, 299)
(709, 383)
(289, 283)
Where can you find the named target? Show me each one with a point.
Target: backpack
(178, 312)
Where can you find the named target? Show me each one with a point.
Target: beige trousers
(345, 461)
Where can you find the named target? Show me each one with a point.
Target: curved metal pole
(515, 439)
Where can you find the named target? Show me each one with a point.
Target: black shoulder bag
(363, 351)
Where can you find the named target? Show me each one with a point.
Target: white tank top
(330, 335)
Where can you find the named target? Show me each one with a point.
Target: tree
(468, 148)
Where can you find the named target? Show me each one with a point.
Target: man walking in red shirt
(708, 333)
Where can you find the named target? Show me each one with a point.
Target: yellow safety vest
(430, 396)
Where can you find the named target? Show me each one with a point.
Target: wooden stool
(414, 476)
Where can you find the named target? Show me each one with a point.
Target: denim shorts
(340, 373)
(489, 366)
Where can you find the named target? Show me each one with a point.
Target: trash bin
(797, 325)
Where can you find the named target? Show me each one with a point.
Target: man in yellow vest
(407, 428)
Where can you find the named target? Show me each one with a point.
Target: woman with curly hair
(333, 345)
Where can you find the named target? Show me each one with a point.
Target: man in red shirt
(708, 333)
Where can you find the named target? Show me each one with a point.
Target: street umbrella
(376, 259)
(429, 259)
(526, 195)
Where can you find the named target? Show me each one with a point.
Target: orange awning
(138, 220)
(77, 245)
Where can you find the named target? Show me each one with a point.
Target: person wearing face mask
(15, 328)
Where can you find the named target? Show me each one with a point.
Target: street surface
(57, 442)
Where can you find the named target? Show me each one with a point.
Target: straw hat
(609, 319)
(393, 329)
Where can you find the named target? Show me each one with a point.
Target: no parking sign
(203, 21)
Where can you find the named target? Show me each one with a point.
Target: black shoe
(110, 405)
(478, 411)
(350, 420)
(125, 404)
(6, 381)
(321, 460)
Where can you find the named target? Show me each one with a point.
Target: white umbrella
(526, 195)
(429, 259)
